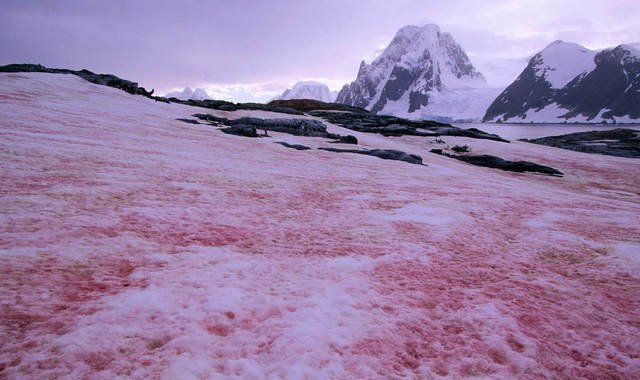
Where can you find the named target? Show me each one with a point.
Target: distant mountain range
(309, 90)
(425, 74)
(188, 93)
(568, 82)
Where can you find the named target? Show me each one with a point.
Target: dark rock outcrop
(296, 127)
(306, 105)
(348, 139)
(241, 130)
(494, 162)
(293, 146)
(615, 142)
(385, 154)
(188, 121)
(460, 149)
(101, 79)
(395, 126)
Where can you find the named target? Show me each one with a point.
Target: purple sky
(253, 50)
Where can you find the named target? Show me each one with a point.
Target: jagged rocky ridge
(420, 65)
(568, 82)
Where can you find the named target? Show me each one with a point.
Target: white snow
(451, 104)
(188, 93)
(563, 61)
(461, 96)
(137, 246)
(553, 113)
(309, 90)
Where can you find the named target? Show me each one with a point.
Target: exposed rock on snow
(306, 105)
(502, 164)
(568, 82)
(296, 127)
(394, 126)
(616, 142)
(422, 74)
(385, 154)
(293, 146)
(241, 130)
(188, 121)
(309, 90)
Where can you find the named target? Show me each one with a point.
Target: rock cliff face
(568, 82)
(422, 73)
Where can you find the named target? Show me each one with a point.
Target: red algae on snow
(134, 245)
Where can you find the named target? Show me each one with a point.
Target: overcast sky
(252, 50)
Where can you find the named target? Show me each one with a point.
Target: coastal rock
(494, 162)
(619, 142)
(395, 126)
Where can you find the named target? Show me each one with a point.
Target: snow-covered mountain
(188, 93)
(309, 90)
(423, 73)
(568, 82)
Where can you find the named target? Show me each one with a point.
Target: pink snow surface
(134, 245)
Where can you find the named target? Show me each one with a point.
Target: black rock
(293, 146)
(296, 127)
(460, 149)
(241, 130)
(395, 126)
(502, 164)
(385, 154)
(189, 121)
(615, 142)
(306, 105)
(349, 139)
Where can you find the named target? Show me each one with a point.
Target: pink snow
(134, 245)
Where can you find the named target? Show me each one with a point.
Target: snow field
(136, 246)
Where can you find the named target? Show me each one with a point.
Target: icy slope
(134, 245)
(309, 90)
